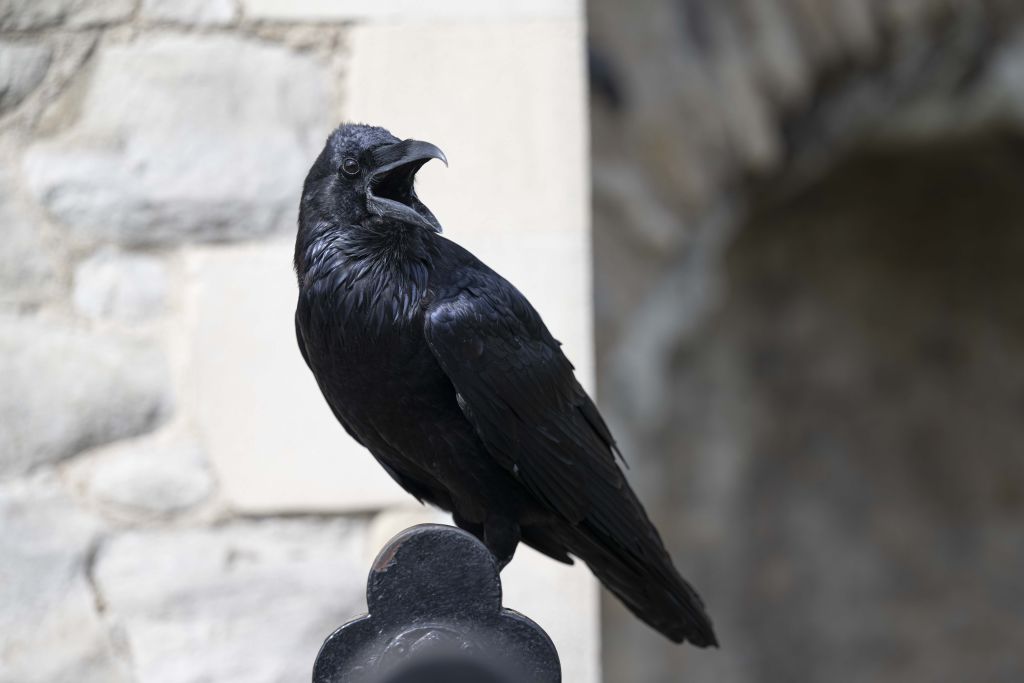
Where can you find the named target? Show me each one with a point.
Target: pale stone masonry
(177, 504)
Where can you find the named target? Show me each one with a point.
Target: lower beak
(389, 190)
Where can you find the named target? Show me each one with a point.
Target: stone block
(271, 438)
(185, 137)
(408, 10)
(247, 602)
(66, 390)
(189, 12)
(516, 191)
(23, 15)
(144, 478)
(120, 286)
(22, 67)
(50, 630)
(28, 266)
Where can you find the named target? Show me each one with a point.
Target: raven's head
(365, 172)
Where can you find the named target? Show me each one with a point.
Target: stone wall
(808, 283)
(177, 503)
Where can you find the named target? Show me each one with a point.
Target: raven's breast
(372, 360)
(385, 385)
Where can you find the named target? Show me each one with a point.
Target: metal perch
(434, 595)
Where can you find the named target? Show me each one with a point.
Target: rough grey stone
(22, 15)
(194, 12)
(992, 97)
(824, 396)
(201, 137)
(145, 478)
(392, 10)
(851, 417)
(50, 630)
(999, 95)
(66, 390)
(127, 287)
(248, 602)
(28, 267)
(22, 67)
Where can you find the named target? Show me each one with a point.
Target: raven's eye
(350, 167)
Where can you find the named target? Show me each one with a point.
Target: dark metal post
(434, 596)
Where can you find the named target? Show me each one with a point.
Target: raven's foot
(501, 536)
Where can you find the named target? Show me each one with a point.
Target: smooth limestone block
(506, 104)
(270, 436)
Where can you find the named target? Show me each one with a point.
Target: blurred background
(809, 287)
(787, 234)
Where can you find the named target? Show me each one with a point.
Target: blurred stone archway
(809, 233)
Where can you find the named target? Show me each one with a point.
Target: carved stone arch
(735, 142)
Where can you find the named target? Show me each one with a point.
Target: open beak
(389, 191)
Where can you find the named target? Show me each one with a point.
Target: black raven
(447, 374)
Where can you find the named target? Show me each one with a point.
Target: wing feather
(519, 391)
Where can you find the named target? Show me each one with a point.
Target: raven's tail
(643, 577)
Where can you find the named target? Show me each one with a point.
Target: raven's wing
(518, 390)
(301, 341)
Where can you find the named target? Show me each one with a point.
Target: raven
(447, 374)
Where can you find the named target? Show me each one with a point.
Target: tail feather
(650, 587)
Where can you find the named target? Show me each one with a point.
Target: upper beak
(389, 182)
(390, 157)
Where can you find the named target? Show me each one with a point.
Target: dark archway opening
(870, 356)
